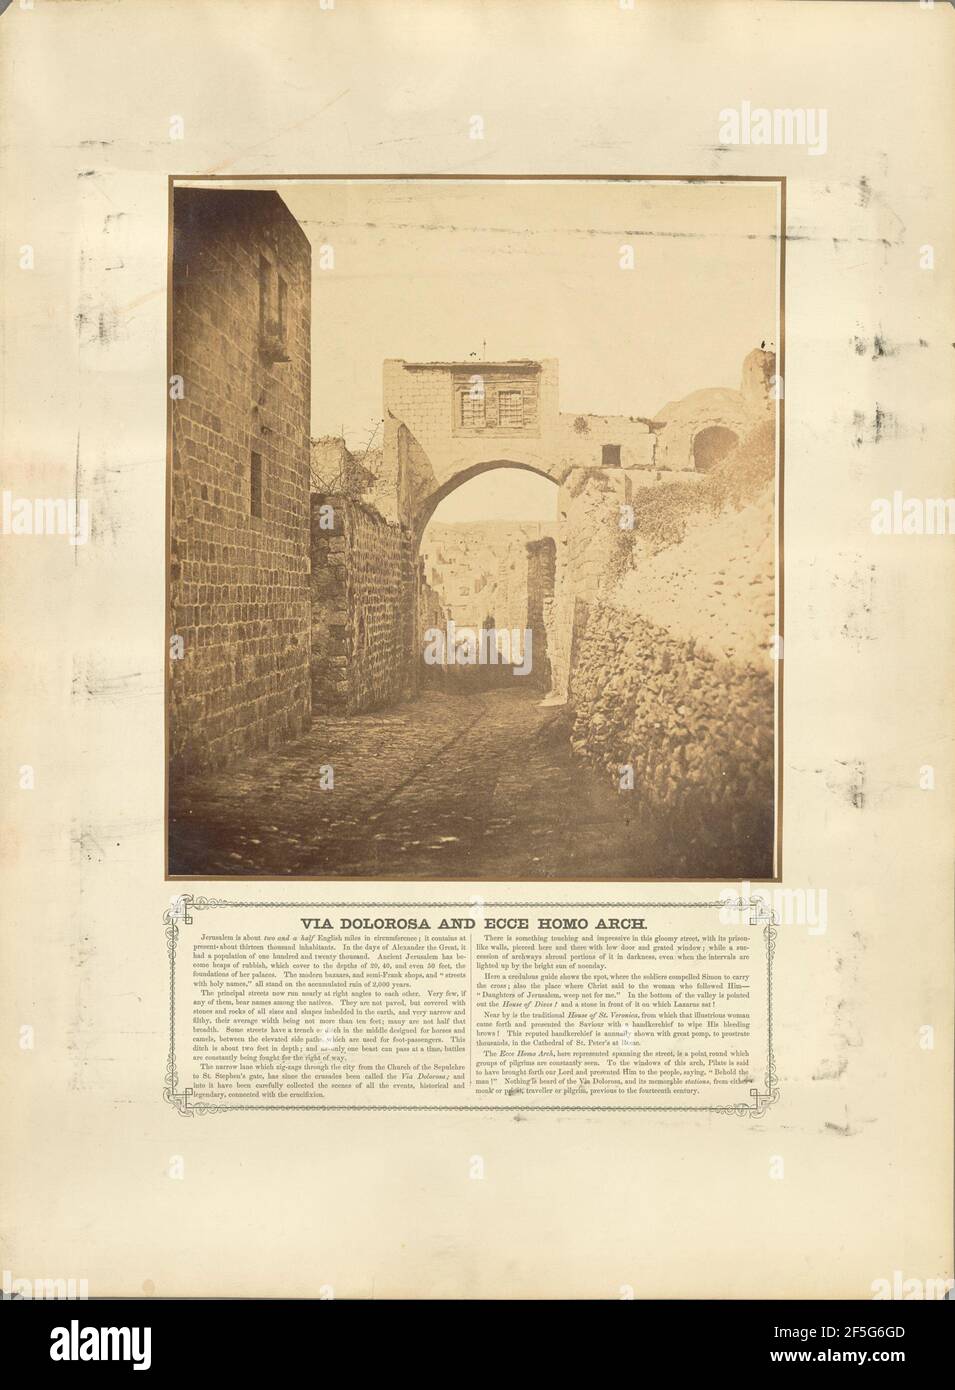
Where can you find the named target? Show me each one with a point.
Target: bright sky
(436, 270)
(501, 494)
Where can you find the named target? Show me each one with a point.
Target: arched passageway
(486, 568)
(468, 473)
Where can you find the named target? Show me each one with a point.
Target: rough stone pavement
(475, 786)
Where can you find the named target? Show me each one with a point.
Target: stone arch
(711, 445)
(465, 474)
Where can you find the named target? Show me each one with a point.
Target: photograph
(473, 547)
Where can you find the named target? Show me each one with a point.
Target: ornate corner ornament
(176, 912)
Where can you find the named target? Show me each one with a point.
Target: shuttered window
(472, 408)
(510, 406)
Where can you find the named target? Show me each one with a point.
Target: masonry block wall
(438, 442)
(672, 671)
(363, 585)
(239, 523)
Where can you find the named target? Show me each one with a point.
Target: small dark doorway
(711, 446)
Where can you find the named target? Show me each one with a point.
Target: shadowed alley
(479, 786)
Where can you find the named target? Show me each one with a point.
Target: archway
(486, 544)
(467, 473)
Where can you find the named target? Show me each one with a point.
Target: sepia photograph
(478, 595)
(474, 496)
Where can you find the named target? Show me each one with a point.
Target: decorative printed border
(760, 1100)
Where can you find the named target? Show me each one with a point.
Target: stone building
(448, 422)
(704, 427)
(239, 495)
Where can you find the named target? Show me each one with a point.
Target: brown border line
(780, 179)
(780, 497)
(167, 667)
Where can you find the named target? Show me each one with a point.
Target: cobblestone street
(480, 786)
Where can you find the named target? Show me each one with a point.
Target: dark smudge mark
(852, 785)
(100, 326)
(883, 425)
(881, 346)
(845, 1131)
(831, 1071)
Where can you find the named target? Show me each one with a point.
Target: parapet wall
(363, 608)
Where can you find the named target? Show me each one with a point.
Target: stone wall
(239, 475)
(432, 608)
(691, 437)
(362, 608)
(425, 446)
(671, 666)
(335, 469)
(481, 569)
(589, 517)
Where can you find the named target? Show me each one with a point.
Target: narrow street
(475, 786)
